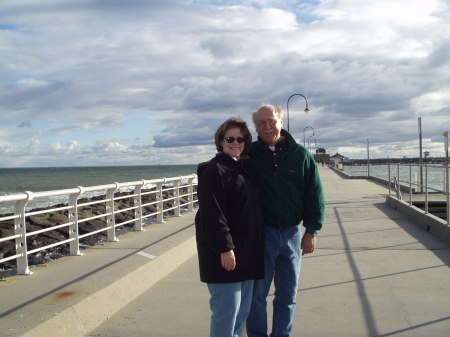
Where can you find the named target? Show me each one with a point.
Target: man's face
(268, 126)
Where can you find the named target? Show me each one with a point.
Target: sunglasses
(230, 140)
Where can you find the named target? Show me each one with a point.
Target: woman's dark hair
(229, 124)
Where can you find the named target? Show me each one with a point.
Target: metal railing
(408, 177)
(132, 200)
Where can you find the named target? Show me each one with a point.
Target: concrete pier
(374, 273)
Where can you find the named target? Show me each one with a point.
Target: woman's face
(233, 142)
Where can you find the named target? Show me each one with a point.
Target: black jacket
(229, 218)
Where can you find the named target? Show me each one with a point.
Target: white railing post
(176, 200)
(410, 184)
(426, 189)
(73, 219)
(110, 218)
(389, 178)
(138, 204)
(20, 228)
(191, 194)
(159, 204)
(444, 179)
(398, 188)
(447, 197)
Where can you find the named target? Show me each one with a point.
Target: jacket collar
(287, 142)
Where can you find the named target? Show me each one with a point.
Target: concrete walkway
(374, 273)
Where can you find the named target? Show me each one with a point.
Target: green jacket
(289, 182)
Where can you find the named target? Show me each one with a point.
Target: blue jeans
(230, 305)
(282, 265)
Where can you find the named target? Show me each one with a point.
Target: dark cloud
(177, 69)
(183, 137)
(440, 56)
(25, 124)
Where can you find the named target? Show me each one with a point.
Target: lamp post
(368, 158)
(310, 141)
(315, 142)
(287, 107)
(304, 131)
(445, 134)
(419, 120)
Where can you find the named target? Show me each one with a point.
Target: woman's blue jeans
(282, 265)
(230, 305)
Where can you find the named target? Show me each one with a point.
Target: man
(291, 191)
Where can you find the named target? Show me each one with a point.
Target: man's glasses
(230, 140)
(269, 122)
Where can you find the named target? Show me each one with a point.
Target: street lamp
(315, 143)
(287, 107)
(445, 134)
(304, 131)
(310, 140)
(368, 158)
(419, 120)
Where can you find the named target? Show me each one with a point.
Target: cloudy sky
(111, 82)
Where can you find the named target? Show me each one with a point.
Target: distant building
(321, 156)
(337, 160)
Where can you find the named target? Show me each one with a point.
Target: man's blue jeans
(230, 305)
(282, 265)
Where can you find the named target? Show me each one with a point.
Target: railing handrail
(423, 187)
(408, 183)
(165, 195)
(51, 193)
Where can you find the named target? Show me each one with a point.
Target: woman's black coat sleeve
(213, 207)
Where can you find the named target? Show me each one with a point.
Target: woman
(229, 230)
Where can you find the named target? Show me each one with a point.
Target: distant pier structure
(385, 161)
(321, 156)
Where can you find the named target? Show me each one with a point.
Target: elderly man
(291, 191)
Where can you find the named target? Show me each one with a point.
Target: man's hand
(228, 260)
(308, 243)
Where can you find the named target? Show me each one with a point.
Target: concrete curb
(73, 295)
(427, 221)
(84, 316)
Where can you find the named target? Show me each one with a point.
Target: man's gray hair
(277, 109)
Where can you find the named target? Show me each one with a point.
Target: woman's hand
(228, 260)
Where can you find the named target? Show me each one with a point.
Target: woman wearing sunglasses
(229, 233)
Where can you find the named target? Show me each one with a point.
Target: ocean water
(433, 174)
(19, 180)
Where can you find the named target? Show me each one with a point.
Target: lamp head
(306, 110)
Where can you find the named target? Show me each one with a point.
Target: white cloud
(91, 77)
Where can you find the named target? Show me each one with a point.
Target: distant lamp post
(445, 134)
(309, 143)
(287, 107)
(304, 133)
(419, 121)
(368, 158)
(310, 138)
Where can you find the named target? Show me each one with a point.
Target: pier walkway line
(374, 273)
